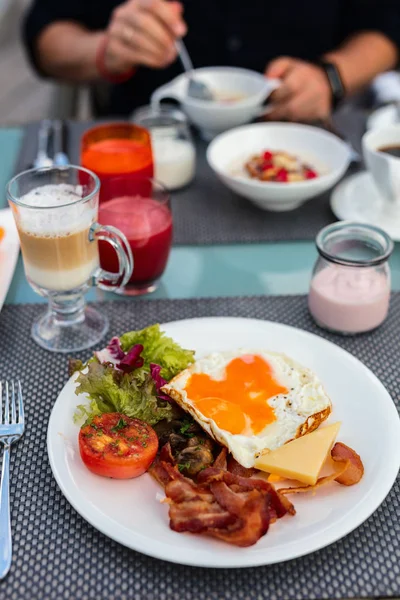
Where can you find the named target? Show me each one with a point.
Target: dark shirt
(229, 32)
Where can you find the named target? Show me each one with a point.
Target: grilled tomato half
(114, 445)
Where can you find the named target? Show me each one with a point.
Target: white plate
(9, 249)
(130, 512)
(383, 117)
(356, 198)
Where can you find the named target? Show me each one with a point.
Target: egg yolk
(238, 402)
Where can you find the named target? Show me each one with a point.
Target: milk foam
(50, 219)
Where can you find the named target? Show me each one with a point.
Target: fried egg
(251, 401)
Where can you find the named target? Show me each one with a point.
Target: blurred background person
(22, 94)
(321, 51)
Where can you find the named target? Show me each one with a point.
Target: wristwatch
(332, 73)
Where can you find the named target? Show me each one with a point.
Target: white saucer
(383, 117)
(357, 199)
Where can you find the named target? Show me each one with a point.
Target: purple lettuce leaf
(159, 381)
(112, 353)
(114, 348)
(132, 360)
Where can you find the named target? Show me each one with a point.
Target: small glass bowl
(173, 149)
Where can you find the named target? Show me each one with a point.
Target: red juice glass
(141, 209)
(117, 149)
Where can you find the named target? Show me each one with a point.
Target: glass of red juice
(117, 149)
(141, 210)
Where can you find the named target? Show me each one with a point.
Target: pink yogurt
(348, 299)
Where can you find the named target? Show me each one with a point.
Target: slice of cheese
(302, 458)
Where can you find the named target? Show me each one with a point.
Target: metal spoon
(42, 159)
(196, 89)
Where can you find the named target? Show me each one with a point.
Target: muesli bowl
(326, 154)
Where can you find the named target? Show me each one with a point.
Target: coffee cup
(380, 147)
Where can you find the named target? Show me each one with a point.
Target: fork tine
(1, 402)
(13, 405)
(6, 407)
(20, 404)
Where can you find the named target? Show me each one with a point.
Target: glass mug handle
(115, 237)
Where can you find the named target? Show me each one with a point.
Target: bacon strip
(237, 469)
(250, 526)
(220, 461)
(158, 469)
(350, 471)
(278, 503)
(193, 509)
(221, 504)
(354, 468)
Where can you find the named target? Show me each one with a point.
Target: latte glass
(55, 210)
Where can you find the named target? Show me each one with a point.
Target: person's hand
(304, 93)
(143, 32)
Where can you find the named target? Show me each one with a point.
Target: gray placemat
(206, 212)
(58, 555)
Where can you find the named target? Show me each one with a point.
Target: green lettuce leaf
(132, 394)
(74, 364)
(158, 349)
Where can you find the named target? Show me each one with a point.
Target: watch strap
(335, 82)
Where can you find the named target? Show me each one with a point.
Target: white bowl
(215, 117)
(325, 152)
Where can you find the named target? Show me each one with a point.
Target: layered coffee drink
(54, 233)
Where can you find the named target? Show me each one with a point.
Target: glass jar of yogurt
(350, 285)
(174, 153)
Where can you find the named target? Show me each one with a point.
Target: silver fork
(42, 159)
(10, 432)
